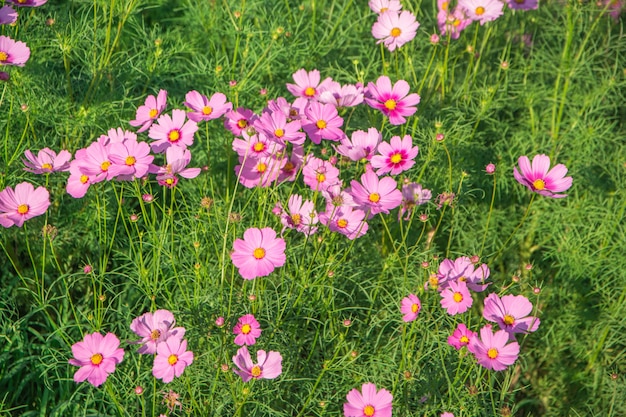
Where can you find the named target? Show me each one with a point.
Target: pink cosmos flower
(368, 403)
(277, 128)
(268, 366)
(176, 159)
(291, 111)
(395, 29)
(204, 108)
(171, 359)
(361, 145)
(78, 182)
(413, 195)
(482, 10)
(97, 357)
(7, 15)
(13, 52)
(345, 220)
(118, 135)
(259, 253)
(148, 113)
(322, 122)
(307, 84)
(293, 162)
(47, 161)
(524, 4)
(172, 131)
(336, 197)
(27, 3)
(491, 349)
(155, 328)
(462, 269)
(129, 160)
(511, 312)
(395, 157)
(538, 176)
(259, 172)
(461, 336)
(378, 195)
(395, 102)
(238, 120)
(256, 146)
(319, 174)
(381, 6)
(300, 215)
(452, 23)
(21, 204)
(410, 307)
(247, 330)
(456, 299)
(342, 96)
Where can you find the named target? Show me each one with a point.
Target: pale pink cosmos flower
(482, 11)
(322, 122)
(247, 330)
(461, 336)
(13, 52)
(259, 253)
(78, 182)
(172, 131)
(342, 96)
(118, 135)
(456, 298)
(129, 160)
(393, 101)
(381, 6)
(346, 220)
(239, 120)
(204, 108)
(491, 349)
(410, 307)
(23, 203)
(259, 172)
(27, 3)
(47, 161)
(394, 29)
(268, 366)
(511, 312)
(176, 159)
(150, 111)
(395, 157)
(300, 215)
(7, 15)
(97, 357)
(171, 359)
(276, 126)
(539, 178)
(155, 328)
(413, 195)
(256, 146)
(370, 402)
(307, 83)
(462, 269)
(337, 197)
(94, 162)
(451, 22)
(361, 145)
(376, 195)
(319, 174)
(291, 111)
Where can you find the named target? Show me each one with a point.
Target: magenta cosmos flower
(511, 312)
(97, 356)
(268, 366)
(395, 102)
(171, 359)
(456, 299)
(368, 403)
(204, 108)
(491, 349)
(461, 336)
(148, 113)
(361, 145)
(482, 10)
(258, 253)
(172, 131)
(247, 330)
(410, 307)
(395, 157)
(13, 52)
(47, 161)
(7, 15)
(376, 195)
(155, 328)
(538, 176)
(395, 29)
(23, 203)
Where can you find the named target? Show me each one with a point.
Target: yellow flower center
(309, 92)
(342, 223)
(508, 320)
(155, 334)
(96, 359)
(169, 181)
(383, 10)
(415, 308)
(256, 371)
(369, 410)
(390, 104)
(46, 166)
(242, 123)
(153, 113)
(261, 167)
(289, 166)
(105, 165)
(207, 110)
(444, 5)
(321, 124)
(539, 184)
(279, 133)
(464, 339)
(462, 279)
(433, 281)
(296, 219)
(246, 328)
(457, 297)
(374, 197)
(3, 56)
(259, 253)
(22, 208)
(259, 147)
(172, 359)
(396, 158)
(84, 179)
(480, 10)
(174, 135)
(395, 32)
(320, 177)
(456, 22)
(492, 353)
(130, 160)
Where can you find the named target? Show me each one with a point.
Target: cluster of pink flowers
(394, 26)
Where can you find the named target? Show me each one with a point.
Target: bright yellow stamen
(155, 334)
(84, 179)
(456, 22)
(433, 281)
(130, 160)
(539, 184)
(207, 110)
(415, 308)
(261, 167)
(383, 10)
(173, 136)
(508, 320)
(279, 133)
(342, 223)
(22, 209)
(374, 197)
(395, 32)
(259, 147)
(309, 92)
(242, 123)
(259, 253)
(321, 124)
(462, 279)
(444, 5)
(369, 410)
(492, 353)
(96, 359)
(105, 165)
(246, 328)
(480, 10)
(172, 359)
(169, 181)
(396, 158)
(457, 297)
(153, 113)
(3, 56)
(296, 219)
(464, 339)
(320, 177)
(390, 104)
(256, 371)
(46, 166)
(289, 166)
